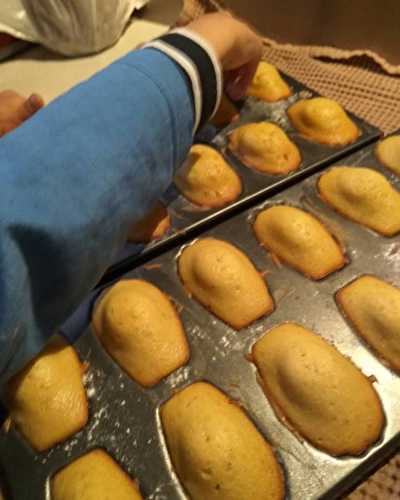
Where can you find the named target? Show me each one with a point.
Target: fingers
(30, 106)
(237, 81)
(237, 47)
(15, 109)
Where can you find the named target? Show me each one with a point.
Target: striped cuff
(198, 60)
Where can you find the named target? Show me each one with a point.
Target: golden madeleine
(265, 147)
(226, 113)
(300, 240)
(319, 392)
(94, 476)
(140, 328)
(217, 452)
(224, 280)
(268, 85)
(372, 307)
(152, 227)
(364, 196)
(206, 179)
(323, 120)
(388, 153)
(47, 400)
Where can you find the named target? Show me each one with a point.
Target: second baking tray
(124, 417)
(187, 217)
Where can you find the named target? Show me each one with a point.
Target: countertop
(39, 70)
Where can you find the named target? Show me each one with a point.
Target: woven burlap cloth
(370, 87)
(361, 81)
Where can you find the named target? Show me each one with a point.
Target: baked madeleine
(140, 328)
(226, 113)
(300, 240)
(388, 153)
(265, 147)
(268, 85)
(94, 476)
(224, 280)
(216, 451)
(364, 196)
(323, 120)
(152, 227)
(47, 400)
(372, 307)
(206, 179)
(319, 392)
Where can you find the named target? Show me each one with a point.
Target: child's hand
(15, 109)
(238, 48)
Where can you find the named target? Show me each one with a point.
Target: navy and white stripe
(198, 60)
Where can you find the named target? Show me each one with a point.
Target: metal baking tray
(187, 217)
(124, 417)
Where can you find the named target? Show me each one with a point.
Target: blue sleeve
(72, 180)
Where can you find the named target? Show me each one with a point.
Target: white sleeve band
(214, 59)
(199, 62)
(190, 69)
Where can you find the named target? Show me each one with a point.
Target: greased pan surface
(124, 417)
(187, 217)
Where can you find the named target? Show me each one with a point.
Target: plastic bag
(71, 27)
